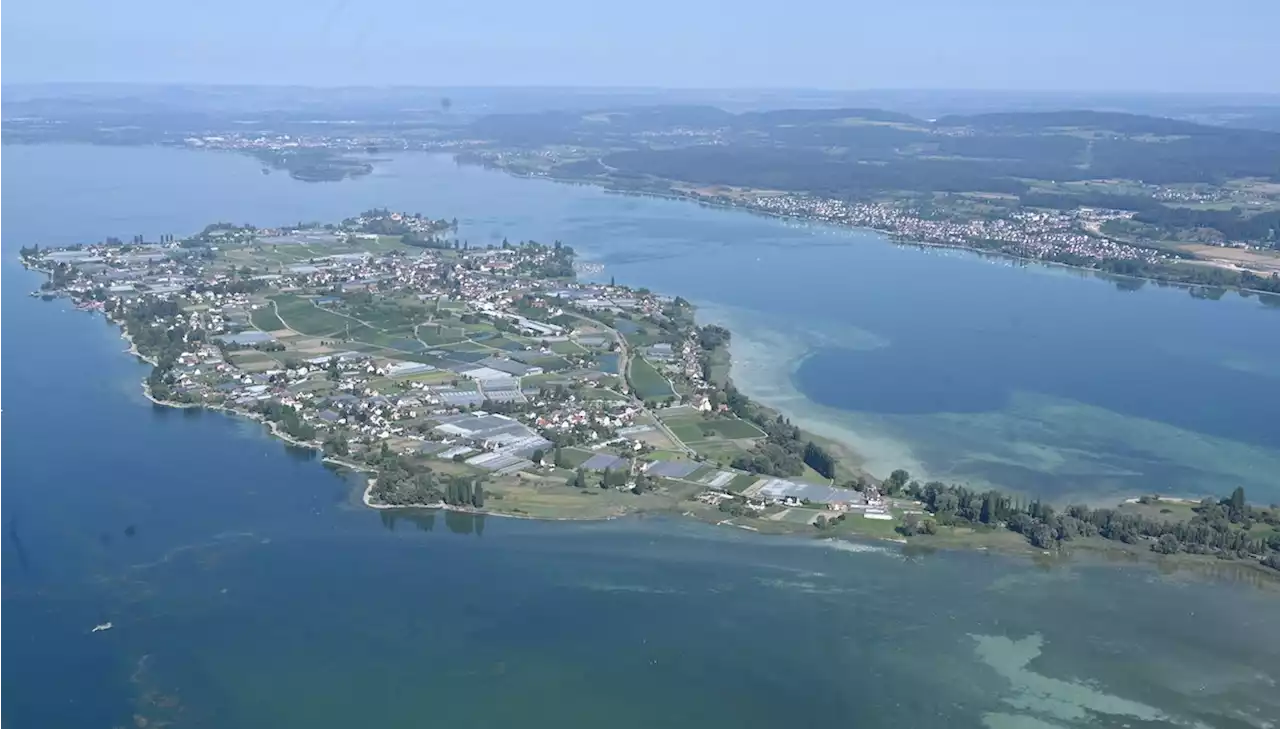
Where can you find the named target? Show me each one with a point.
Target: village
(397, 349)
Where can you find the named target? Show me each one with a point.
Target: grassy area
(1170, 511)
(669, 456)
(433, 378)
(646, 381)
(544, 379)
(856, 524)
(686, 431)
(642, 338)
(265, 319)
(548, 362)
(301, 315)
(720, 451)
(700, 472)
(253, 360)
(574, 457)
(566, 348)
(729, 428)
(597, 393)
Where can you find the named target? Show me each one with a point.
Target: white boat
(103, 626)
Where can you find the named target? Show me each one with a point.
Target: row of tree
(1229, 528)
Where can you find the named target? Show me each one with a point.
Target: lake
(1031, 378)
(247, 587)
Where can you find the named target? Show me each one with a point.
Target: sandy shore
(763, 361)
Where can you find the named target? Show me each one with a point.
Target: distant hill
(860, 151)
(1050, 121)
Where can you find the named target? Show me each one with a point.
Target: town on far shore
(491, 379)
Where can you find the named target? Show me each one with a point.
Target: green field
(432, 378)
(252, 359)
(669, 456)
(597, 393)
(640, 340)
(566, 348)
(730, 428)
(265, 319)
(690, 425)
(302, 316)
(721, 451)
(547, 363)
(686, 431)
(646, 381)
(574, 457)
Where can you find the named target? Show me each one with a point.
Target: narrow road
(624, 369)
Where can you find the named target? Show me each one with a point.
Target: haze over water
(248, 589)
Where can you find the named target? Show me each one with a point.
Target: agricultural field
(642, 338)
(729, 428)
(301, 315)
(252, 360)
(594, 393)
(437, 377)
(717, 439)
(669, 456)
(646, 381)
(264, 318)
(574, 457)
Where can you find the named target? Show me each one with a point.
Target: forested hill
(852, 151)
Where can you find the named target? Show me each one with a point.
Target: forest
(863, 152)
(1228, 528)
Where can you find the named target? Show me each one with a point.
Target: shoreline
(889, 236)
(959, 541)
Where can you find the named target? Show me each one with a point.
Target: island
(493, 380)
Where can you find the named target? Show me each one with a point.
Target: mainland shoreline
(888, 235)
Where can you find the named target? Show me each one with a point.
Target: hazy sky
(1148, 45)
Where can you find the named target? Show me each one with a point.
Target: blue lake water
(248, 588)
(1036, 379)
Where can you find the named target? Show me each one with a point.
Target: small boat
(102, 627)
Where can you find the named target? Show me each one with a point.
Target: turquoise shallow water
(247, 589)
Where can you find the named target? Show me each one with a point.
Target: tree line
(1228, 528)
(399, 481)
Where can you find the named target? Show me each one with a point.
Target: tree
(606, 478)
(819, 460)
(580, 479)
(537, 456)
(896, 481)
(477, 495)
(1167, 544)
(559, 458)
(1235, 504)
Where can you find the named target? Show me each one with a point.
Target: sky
(1052, 45)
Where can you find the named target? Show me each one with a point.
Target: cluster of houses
(483, 411)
